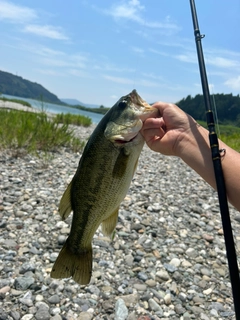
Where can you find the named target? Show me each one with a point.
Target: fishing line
(213, 98)
(137, 60)
(216, 115)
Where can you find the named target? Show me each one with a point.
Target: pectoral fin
(135, 167)
(121, 164)
(110, 223)
(65, 206)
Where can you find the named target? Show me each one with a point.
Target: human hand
(168, 134)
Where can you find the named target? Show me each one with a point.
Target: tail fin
(69, 264)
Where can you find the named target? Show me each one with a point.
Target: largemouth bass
(100, 184)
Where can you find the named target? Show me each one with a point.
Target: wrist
(192, 141)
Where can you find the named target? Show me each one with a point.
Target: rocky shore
(16, 106)
(166, 261)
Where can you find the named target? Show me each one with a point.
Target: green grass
(232, 140)
(32, 132)
(77, 120)
(24, 103)
(229, 134)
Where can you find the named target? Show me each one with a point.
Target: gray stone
(129, 260)
(3, 314)
(57, 317)
(42, 314)
(9, 243)
(142, 276)
(175, 262)
(27, 299)
(179, 309)
(162, 275)
(23, 283)
(27, 266)
(203, 316)
(130, 299)
(15, 315)
(84, 316)
(170, 268)
(192, 253)
(140, 287)
(28, 317)
(154, 306)
(121, 311)
(167, 299)
(54, 299)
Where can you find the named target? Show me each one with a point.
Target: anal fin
(110, 223)
(65, 206)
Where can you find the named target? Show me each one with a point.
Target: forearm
(197, 154)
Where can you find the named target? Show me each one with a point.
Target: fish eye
(122, 104)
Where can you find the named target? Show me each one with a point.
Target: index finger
(161, 106)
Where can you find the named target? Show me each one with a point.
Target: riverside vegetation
(38, 132)
(31, 132)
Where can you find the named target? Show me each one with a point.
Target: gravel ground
(16, 106)
(167, 260)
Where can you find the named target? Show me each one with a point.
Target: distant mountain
(75, 102)
(17, 86)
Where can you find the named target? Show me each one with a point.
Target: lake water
(55, 108)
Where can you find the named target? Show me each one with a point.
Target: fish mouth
(141, 107)
(124, 141)
(127, 119)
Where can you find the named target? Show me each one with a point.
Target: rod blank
(216, 158)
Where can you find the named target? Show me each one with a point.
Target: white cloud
(147, 83)
(153, 76)
(140, 82)
(71, 61)
(112, 67)
(189, 57)
(49, 52)
(210, 59)
(159, 52)
(53, 62)
(138, 50)
(79, 73)
(46, 31)
(15, 13)
(222, 62)
(131, 10)
(79, 60)
(113, 96)
(233, 83)
(49, 72)
(119, 79)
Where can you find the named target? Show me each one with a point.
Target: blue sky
(98, 50)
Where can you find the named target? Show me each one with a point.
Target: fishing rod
(216, 158)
